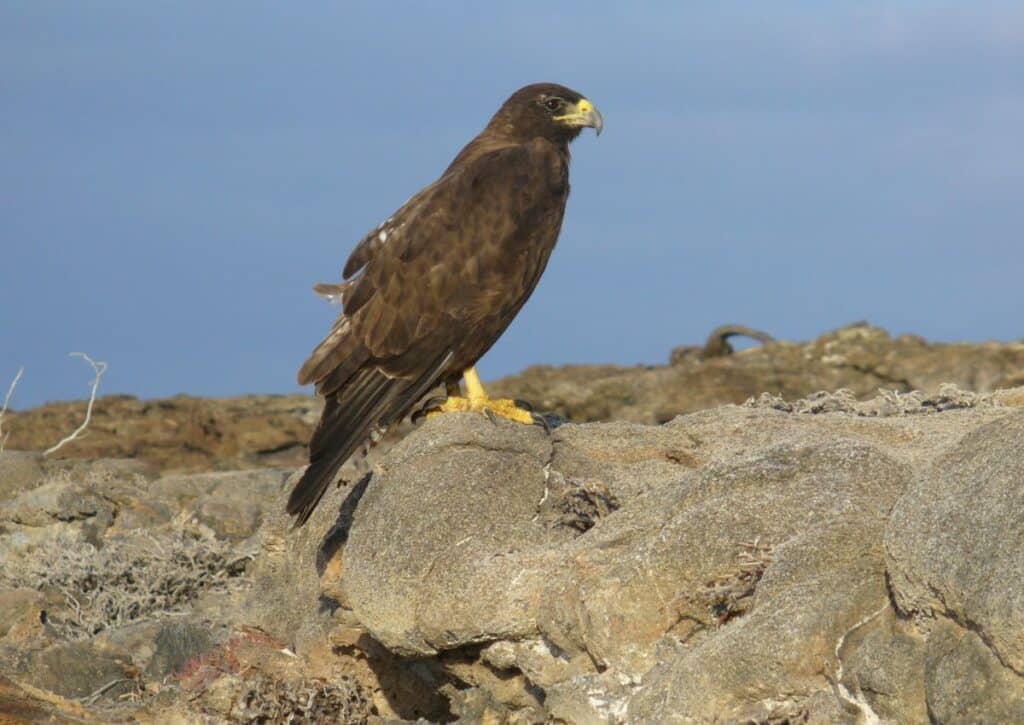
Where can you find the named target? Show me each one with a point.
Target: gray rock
(22, 618)
(966, 683)
(730, 565)
(74, 501)
(20, 471)
(473, 535)
(955, 541)
(234, 503)
(57, 502)
(885, 663)
(106, 471)
(157, 648)
(81, 670)
(174, 645)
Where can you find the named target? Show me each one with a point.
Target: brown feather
(431, 289)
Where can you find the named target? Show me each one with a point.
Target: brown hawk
(432, 288)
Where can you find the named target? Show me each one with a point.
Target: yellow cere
(578, 110)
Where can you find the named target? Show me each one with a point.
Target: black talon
(548, 421)
(523, 405)
(428, 405)
(491, 415)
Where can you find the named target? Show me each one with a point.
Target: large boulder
(955, 550)
(732, 565)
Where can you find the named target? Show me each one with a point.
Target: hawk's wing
(417, 287)
(434, 266)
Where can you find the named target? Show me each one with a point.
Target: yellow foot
(500, 407)
(476, 401)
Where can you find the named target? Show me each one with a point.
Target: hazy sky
(174, 177)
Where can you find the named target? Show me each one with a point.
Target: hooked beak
(584, 115)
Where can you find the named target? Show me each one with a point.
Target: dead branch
(99, 368)
(3, 410)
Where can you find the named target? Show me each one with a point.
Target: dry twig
(99, 368)
(3, 410)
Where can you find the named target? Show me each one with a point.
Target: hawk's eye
(553, 104)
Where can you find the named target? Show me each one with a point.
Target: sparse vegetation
(128, 579)
(239, 683)
(260, 698)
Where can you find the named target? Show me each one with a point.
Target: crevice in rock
(855, 698)
(731, 595)
(891, 593)
(972, 626)
(581, 506)
(414, 688)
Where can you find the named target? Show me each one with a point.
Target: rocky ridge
(195, 434)
(818, 560)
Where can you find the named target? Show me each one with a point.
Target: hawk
(432, 288)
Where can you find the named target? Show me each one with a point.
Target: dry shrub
(129, 579)
(259, 698)
(240, 682)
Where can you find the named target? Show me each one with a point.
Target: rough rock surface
(859, 358)
(190, 434)
(733, 565)
(123, 597)
(180, 433)
(836, 558)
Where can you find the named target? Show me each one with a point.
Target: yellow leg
(476, 401)
(474, 388)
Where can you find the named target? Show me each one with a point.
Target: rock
(858, 358)
(885, 664)
(104, 472)
(53, 515)
(20, 471)
(966, 682)
(22, 618)
(955, 541)
(468, 535)
(81, 670)
(730, 565)
(57, 501)
(179, 433)
(234, 503)
(108, 499)
(158, 649)
(19, 705)
(174, 645)
(830, 559)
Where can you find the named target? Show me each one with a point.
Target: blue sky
(176, 176)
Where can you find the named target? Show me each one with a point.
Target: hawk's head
(547, 110)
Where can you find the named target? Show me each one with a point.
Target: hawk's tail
(345, 424)
(370, 399)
